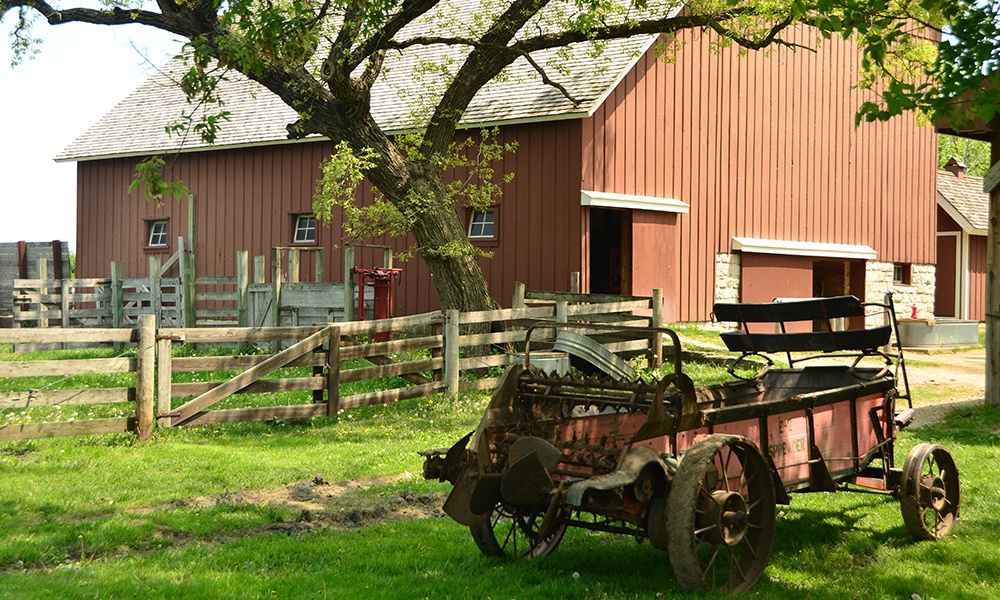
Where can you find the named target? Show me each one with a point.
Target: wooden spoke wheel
(929, 492)
(514, 533)
(721, 515)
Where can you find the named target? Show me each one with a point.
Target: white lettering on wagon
(785, 441)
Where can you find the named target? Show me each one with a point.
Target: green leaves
(152, 174)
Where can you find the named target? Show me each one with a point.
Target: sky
(81, 73)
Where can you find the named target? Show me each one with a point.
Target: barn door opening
(830, 278)
(610, 251)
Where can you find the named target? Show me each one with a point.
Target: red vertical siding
(764, 146)
(977, 277)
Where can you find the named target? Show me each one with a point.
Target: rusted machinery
(698, 471)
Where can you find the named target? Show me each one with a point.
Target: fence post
(188, 266)
(333, 374)
(320, 265)
(518, 301)
(349, 314)
(154, 288)
(242, 287)
(656, 356)
(294, 263)
(562, 311)
(117, 302)
(275, 288)
(65, 291)
(145, 377)
(451, 351)
(259, 268)
(43, 291)
(164, 370)
(574, 282)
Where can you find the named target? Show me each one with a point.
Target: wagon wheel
(929, 492)
(721, 515)
(513, 533)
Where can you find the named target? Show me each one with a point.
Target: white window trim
(632, 202)
(472, 216)
(816, 249)
(151, 230)
(296, 229)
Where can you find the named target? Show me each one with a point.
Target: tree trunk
(445, 249)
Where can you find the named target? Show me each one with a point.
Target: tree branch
(114, 16)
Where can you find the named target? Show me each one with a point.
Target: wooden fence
(314, 365)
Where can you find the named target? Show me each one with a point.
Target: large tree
(322, 57)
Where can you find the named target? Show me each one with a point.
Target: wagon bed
(698, 470)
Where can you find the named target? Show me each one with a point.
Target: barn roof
(964, 200)
(400, 99)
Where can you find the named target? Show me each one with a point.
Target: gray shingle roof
(966, 197)
(400, 99)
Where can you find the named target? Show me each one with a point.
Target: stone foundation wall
(727, 277)
(920, 292)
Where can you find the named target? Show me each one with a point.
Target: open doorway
(830, 278)
(610, 251)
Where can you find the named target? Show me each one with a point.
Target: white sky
(82, 72)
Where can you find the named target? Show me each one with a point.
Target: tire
(514, 534)
(929, 492)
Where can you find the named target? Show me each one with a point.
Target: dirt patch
(321, 504)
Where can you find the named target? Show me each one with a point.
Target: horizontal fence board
(637, 345)
(572, 297)
(263, 386)
(217, 312)
(506, 314)
(215, 297)
(224, 280)
(34, 431)
(382, 348)
(56, 335)
(609, 307)
(503, 337)
(263, 413)
(228, 363)
(386, 396)
(477, 362)
(395, 323)
(44, 368)
(380, 371)
(222, 335)
(33, 398)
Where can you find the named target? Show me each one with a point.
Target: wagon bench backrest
(814, 309)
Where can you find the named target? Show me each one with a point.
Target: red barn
(713, 176)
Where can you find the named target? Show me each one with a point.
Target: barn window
(482, 224)
(305, 229)
(901, 274)
(157, 234)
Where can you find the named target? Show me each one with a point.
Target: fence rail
(314, 362)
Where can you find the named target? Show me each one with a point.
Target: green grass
(107, 517)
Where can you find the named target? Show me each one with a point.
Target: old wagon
(698, 471)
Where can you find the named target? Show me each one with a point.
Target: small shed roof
(964, 200)
(401, 99)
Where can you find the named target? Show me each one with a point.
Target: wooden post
(117, 301)
(333, 374)
(294, 263)
(349, 314)
(320, 265)
(574, 282)
(65, 292)
(259, 269)
(43, 291)
(656, 356)
(387, 258)
(275, 287)
(242, 288)
(518, 301)
(451, 352)
(155, 299)
(164, 370)
(188, 265)
(562, 311)
(145, 377)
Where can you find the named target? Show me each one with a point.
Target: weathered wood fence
(427, 353)
(190, 301)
